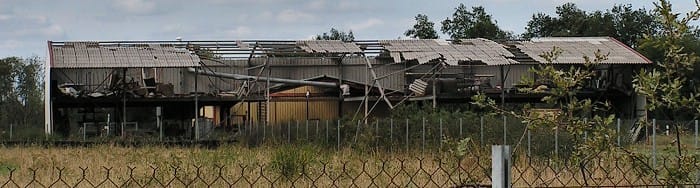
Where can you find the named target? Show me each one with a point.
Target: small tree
(667, 87)
(335, 34)
(580, 117)
(423, 29)
(472, 24)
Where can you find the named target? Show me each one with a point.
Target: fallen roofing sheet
(574, 48)
(425, 50)
(92, 55)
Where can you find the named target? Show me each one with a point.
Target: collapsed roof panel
(328, 46)
(466, 50)
(92, 55)
(574, 48)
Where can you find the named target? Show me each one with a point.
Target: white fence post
(500, 166)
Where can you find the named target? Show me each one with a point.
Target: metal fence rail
(416, 133)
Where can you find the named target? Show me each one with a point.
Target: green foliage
(423, 29)
(290, 161)
(578, 117)
(335, 34)
(21, 91)
(472, 24)
(621, 22)
(669, 86)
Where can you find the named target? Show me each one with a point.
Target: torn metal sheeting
(426, 50)
(328, 46)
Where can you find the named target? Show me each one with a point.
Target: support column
(48, 103)
(123, 103)
(196, 106)
(159, 122)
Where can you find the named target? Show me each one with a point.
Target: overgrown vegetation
(21, 92)
(291, 161)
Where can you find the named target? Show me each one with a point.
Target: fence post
(406, 134)
(696, 134)
(481, 130)
(11, 131)
(423, 137)
(460, 128)
(357, 132)
(440, 138)
(376, 134)
(556, 141)
(316, 131)
(338, 134)
(391, 134)
(585, 133)
(306, 130)
(618, 131)
(289, 132)
(84, 135)
(529, 142)
(501, 165)
(653, 143)
(326, 140)
(505, 131)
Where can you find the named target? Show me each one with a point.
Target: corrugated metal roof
(425, 50)
(328, 46)
(92, 55)
(574, 48)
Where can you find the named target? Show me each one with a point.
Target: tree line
(21, 93)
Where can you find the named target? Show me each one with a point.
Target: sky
(27, 25)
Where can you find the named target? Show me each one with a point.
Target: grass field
(280, 165)
(268, 165)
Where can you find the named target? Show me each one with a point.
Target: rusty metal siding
(284, 111)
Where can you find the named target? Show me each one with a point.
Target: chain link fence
(391, 172)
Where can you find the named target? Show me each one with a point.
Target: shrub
(290, 161)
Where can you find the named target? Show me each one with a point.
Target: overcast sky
(26, 25)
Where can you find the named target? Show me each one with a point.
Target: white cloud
(365, 24)
(135, 6)
(292, 16)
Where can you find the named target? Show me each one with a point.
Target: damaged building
(189, 89)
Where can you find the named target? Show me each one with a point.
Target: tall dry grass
(235, 165)
(232, 165)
